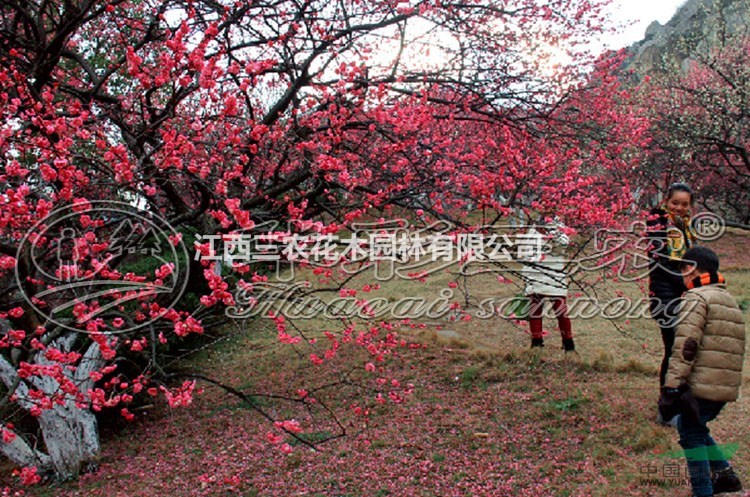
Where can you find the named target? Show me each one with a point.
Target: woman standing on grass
(546, 280)
(670, 234)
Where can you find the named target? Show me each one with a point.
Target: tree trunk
(70, 433)
(71, 436)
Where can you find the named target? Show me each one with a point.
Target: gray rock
(696, 25)
(654, 29)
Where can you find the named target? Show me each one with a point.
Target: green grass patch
(313, 438)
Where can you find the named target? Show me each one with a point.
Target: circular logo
(708, 226)
(102, 266)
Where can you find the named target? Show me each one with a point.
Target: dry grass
(488, 415)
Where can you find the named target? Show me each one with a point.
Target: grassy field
(487, 416)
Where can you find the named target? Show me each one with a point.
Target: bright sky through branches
(632, 17)
(640, 13)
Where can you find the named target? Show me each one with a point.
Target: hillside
(697, 25)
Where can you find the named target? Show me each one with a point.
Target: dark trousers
(666, 314)
(702, 454)
(667, 336)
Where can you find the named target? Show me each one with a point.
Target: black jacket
(667, 241)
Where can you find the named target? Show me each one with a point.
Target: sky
(641, 13)
(634, 16)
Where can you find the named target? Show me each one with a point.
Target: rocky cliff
(697, 25)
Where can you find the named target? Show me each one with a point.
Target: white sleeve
(559, 236)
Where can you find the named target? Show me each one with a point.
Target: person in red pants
(546, 280)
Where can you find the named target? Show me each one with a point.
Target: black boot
(537, 342)
(725, 481)
(568, 344)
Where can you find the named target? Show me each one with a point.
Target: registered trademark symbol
(708, 226)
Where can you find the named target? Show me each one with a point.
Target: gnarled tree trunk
(70, 433)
